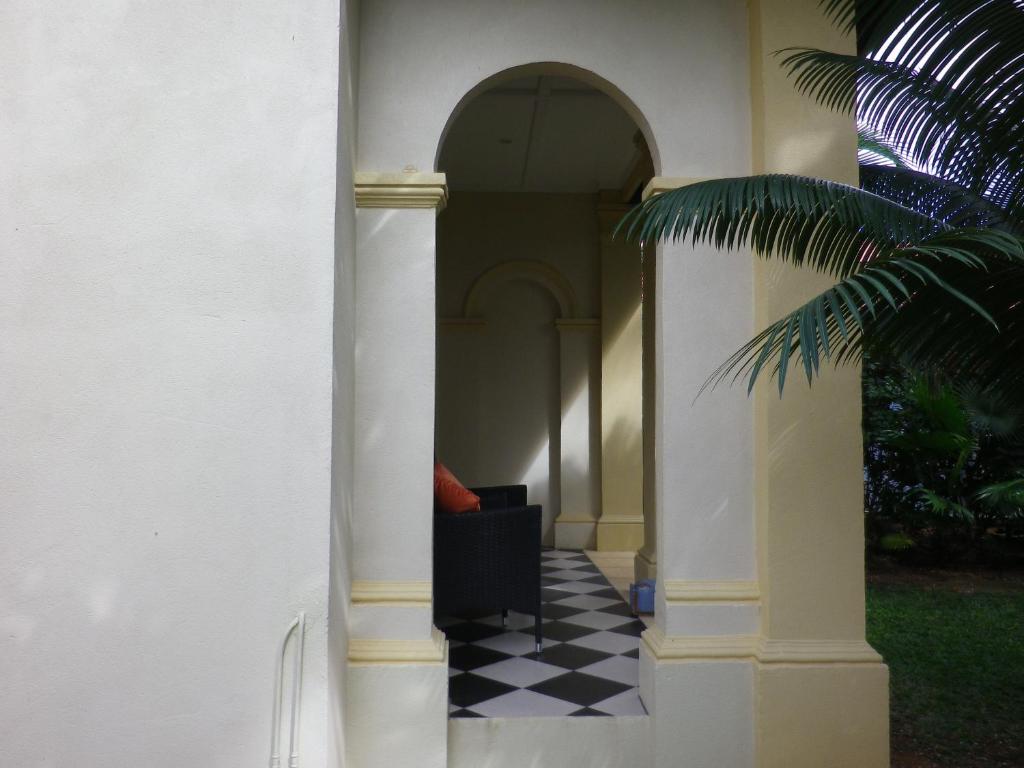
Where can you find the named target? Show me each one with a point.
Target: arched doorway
(539, 347)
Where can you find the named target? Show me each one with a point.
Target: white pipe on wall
(293, 742)
(298, 623)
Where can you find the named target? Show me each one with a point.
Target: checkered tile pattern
(588, 665)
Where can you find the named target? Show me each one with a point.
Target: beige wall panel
(835, 716)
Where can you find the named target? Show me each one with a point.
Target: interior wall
(498, 387)
(167, 202)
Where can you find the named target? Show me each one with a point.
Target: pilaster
(580, 481)
(621, 526)
(397, 659)
(822, 691)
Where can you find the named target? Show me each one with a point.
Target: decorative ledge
(620, 519)
(817, 652)
(392, 592)
(401, 190)
(711, 591)
(364, 651)
(660, 184)
(753, 648)
(694, 648)
(579, 324)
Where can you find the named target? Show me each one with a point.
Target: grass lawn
(955, 649)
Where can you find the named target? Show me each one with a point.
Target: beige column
(822, 691)
(397, 659)
(645, 564)
(621, 526)
(580, 469)
(696, 661)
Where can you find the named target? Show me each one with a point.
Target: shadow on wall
(498, 396)
(504, 400)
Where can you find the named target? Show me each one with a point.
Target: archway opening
(540, 167)
(544, 337)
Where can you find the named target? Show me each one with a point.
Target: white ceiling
(540, 134)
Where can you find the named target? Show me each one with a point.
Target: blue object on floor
(641, 596)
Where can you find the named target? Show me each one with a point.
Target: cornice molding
(391, 592)
(711, 591)
(400, 190)
(372, 651)
(660, 184)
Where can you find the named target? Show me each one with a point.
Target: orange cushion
(450, 495)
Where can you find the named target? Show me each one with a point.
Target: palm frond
(831, 227)
(1005, 495)
(887, 258)
(959, 135)
(871, 144)
(831, 327)
(934, 197)
(934, 334)
(940, 506)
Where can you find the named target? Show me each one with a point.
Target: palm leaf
(1005, 495)
(832, 227)
(961, 136)
(886, 258)
(871, 144)
(934, 197)
(942, 507)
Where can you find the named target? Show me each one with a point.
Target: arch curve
(544, 275)
(560, 69)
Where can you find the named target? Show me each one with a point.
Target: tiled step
(549, 742)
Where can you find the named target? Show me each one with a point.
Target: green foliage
(943, 469)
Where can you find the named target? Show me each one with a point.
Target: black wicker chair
(489, 560)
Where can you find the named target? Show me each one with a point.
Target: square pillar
(822, 690)
(397, 659)
(697, 661)
(580, 481)
(621, 526)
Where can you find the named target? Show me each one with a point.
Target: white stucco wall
(414, 73)
(343, 459)
(167, 190)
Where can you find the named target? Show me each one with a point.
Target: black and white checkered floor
(589, 663)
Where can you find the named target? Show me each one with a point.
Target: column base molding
(817, 652)
(367, 651)
(698, 648)
(380, 592)
(711, 591)
(751, 647)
